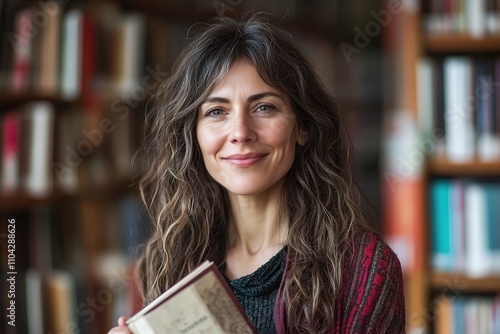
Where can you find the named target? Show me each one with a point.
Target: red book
(22, 49)
(202, 302)
(10, 158)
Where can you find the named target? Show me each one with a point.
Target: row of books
(467, 315)
(465, 227)
(469, 17)
(459, 101)
(87, 52)
(62, 284)
(27, 149)
(71, 152)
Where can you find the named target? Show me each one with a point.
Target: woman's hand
(121, 328)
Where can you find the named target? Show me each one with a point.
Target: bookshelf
(452, 185)
(78, 233)
(467, 284)
(457, 44)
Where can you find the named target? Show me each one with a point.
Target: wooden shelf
(461, 43)
(12, 99)
(475, 168)
(23, 201)
(463, 283)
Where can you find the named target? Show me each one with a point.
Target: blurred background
(418, 83)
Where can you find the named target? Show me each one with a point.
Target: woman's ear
(302, 137)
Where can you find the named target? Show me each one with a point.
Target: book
(41, 116)
(71, 54)
(22, 42)
(201, 302)
(477, 259)
(460, 136)
(441, 226)
(11, 153)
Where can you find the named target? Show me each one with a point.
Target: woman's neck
(257, 232)
(256, 222)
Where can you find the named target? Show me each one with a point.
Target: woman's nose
(242, 130)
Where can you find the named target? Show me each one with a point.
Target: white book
(459, 109)
(476, 17)
(38, 179)
(71, 54)
(476, 240)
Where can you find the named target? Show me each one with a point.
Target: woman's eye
(214, 112)
(265, 108)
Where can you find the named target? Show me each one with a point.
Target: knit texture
(371, 298)
(257, 292)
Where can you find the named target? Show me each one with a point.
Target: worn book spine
(204, 304)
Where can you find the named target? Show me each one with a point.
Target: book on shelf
(475, 18)
(467, 314)
(27, 150)
(465, 227)
(458, 101)
(201, 302)
(71, 54)
(403, 184)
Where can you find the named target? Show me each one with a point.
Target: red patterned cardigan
(372, 298)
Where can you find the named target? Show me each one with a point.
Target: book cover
(22, 50)
(201, 302)
(476, 239)
(38, 181)
(460, 137)
(71, 54)
(493, 225)
(442, 257)
(10, 153)
(49, 54)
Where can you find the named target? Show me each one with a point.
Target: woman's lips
(245, 160)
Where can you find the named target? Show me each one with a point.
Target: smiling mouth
(245, 160)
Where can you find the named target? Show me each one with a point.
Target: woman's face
(247, 132)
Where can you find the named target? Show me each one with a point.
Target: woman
(248, 165)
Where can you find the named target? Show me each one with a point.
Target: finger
(121, 321)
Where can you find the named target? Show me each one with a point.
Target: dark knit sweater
(257, 292)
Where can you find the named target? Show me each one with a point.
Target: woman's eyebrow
(215, 99)
(251, 98)
(259, 96)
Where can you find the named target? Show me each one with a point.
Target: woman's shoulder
(372, 261)
(372, 292)
(369, 248)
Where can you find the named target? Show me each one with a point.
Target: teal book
(441, 250)
(493, 225)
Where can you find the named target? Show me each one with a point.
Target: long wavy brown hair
(190, 210)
